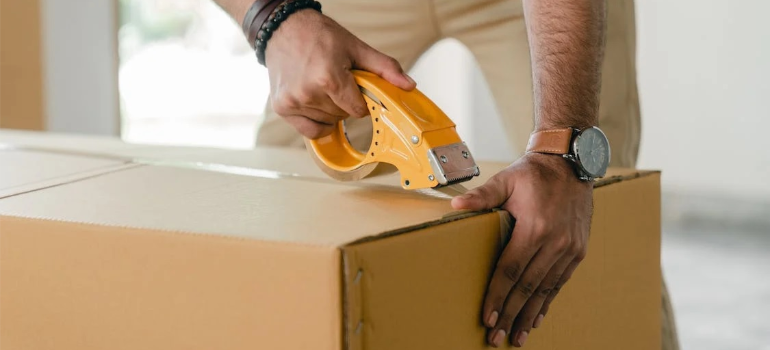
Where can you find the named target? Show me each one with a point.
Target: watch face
(592, 151)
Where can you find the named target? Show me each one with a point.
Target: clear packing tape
(355, 178)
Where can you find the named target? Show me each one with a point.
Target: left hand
(552, 208)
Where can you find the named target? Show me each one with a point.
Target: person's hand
(309, 60)
(552, 209)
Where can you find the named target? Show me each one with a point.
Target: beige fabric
(494, 31)
(669, 336)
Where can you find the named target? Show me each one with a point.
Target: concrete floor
(719, 280)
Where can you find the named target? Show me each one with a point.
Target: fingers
(525, 320)
(533, 263)
(499, 315)
(310, 110)
(310, 128)
(369, 59)
(491, 194)
(312, 123)
(345, 94)
(557, 287)
(524, 288)
(328, 106)
(310, 93)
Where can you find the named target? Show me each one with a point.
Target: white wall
(80, 55)
(704, 81)
(449, 93)
(704, 74)
(704, 68)
(464, 96)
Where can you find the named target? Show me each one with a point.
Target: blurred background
(179, 72)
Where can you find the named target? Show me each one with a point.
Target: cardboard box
(260, 250)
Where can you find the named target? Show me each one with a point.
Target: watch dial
(593, 151)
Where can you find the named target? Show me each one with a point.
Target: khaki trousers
(494, 31)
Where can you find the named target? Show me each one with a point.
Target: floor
(719, 280)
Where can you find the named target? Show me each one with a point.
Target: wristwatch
(587, 149)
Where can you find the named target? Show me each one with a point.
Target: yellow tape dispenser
(409, 132)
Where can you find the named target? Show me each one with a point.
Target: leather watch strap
(256, 16)
(251, 14)
(555, 141)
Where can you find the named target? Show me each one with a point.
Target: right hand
(309, 61)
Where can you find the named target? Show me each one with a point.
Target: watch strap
(256, 16)
(553, 141)
(251, 14)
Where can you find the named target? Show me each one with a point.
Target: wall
(704, 82)
(430, 73)
(80, 55)
(464, 96)
(705, 89)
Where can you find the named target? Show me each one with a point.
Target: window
(187, 75)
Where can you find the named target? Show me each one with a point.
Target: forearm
(235, 8)
(567, 46)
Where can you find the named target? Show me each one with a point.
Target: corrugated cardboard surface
(206, 202)
(267, 162)
(93, 145)
(24, 170)
(78, 286)
(174, 257)
(424, 290)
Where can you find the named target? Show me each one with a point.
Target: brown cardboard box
(259, 250)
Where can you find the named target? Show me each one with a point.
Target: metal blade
(452, 163)
(444, 192)
(372, 96)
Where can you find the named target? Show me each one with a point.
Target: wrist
(255, 18)
(236, 9)
(548, 120)
(291, 27)
(587, 149)
(554, 165)
(270, 17)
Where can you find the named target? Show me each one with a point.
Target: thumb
(492, 194)
(367, 58)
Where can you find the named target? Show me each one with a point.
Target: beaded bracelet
(280, 14)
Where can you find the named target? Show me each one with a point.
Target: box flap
(23, 170)
(297, 162)
(191, 189)
(92, 145)
(288, 209)
(270, 161)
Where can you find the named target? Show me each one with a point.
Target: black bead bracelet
(280, 14)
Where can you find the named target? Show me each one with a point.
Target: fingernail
(522, 337)
(492, 319)
(538, 320)
(499, 337)
(465, 196)
(411, 81)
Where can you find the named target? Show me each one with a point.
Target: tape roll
(402, 134)
(365, 171)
